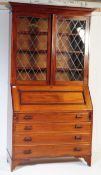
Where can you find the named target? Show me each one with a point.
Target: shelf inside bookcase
(32, 51)
(45, 33)
(31, 69)
(45, 69)
(32, 33)
(45, 51)
(68, 69)
(69, 52)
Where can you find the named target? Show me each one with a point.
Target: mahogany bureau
(50, 110)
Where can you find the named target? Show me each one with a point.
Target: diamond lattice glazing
(70, 49)
(31, 56)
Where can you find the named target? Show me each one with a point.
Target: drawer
(51, 117)
(53, 127)
(50, 138)
(25, 152)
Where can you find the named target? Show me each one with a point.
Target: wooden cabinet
(51, 103)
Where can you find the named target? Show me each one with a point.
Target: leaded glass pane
(31, 56)
(70, 49)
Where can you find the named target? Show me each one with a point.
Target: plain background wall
(95, 78)
(4, 62)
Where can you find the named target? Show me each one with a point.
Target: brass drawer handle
(78, 116)
(27, 117)
(28, 139)
(78, 126)
(27, 152)
(28, 128)
(77, 149)
(78, 137)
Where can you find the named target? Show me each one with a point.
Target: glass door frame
(53, 55)
(14, 50)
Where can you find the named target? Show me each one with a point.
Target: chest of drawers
(42, 135)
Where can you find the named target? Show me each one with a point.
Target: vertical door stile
(14, 49)
(53, 51)
(49, 49)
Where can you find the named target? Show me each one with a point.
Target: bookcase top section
(18, 7)
(50, 44)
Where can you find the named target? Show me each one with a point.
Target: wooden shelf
(32, 51)
(69, 52)
(45, 33)
(45, 51)
(31, 69)
(68, 34)
(32, 33)
(66, 69)
(45, 69)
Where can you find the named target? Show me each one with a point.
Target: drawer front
(26, 152)
(52, 117)
(50, 138)
(53, 127)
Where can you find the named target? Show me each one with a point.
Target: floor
(73, 167)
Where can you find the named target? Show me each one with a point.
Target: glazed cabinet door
(31, 51)
(70, 44)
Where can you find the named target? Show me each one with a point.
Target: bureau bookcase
(51, 109)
